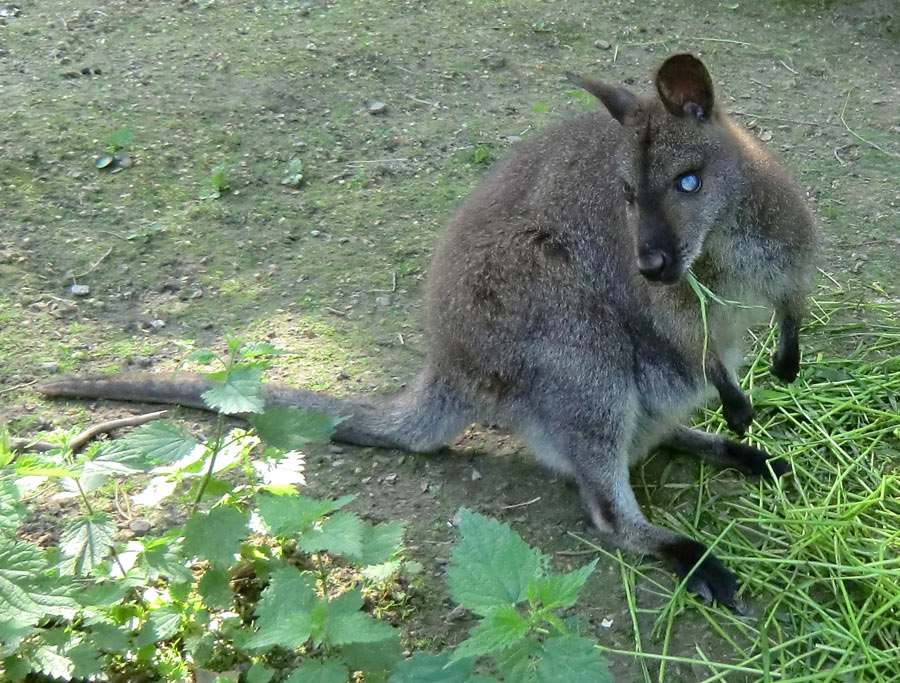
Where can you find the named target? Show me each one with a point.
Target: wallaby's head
(677, 165)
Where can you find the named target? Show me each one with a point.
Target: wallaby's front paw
(786, 364)
(738, 415)
(711, 580)
(753, 461)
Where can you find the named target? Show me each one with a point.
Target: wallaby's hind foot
(726, 453)
(709, 578)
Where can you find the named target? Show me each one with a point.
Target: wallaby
(557, 305)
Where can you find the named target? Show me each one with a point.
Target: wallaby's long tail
(422, 418)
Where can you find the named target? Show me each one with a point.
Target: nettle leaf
(424, 666)
(215, 589)
(376, 659)
(163, 557)
(259, 673)
(12, 512)
(517, 663)
(291, 428)
(491, 566)
(156, 443)
(320, 671)
(162, 623)
(38, 466)
(380, 542)
(108, 637)
(559, 590)
(12, 633)
(289, 515)
(87, 542)
(48, 661)
(572, 659)
(345, 623)
(236, 392)
(23, 593)
(497, 632)
(86, 662)
(257, 349)
(284, 611)
(341, 533)
(202, 356)
(281, 472)
(216, 535)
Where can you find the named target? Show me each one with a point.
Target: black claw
(738, 415)
(711, 580)
(753, 461)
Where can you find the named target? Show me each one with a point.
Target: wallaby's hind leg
(599, 464)
(422, 419)
(725, 453)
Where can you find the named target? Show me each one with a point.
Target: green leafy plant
(119, 139)
(496, 575)
(217, 183)
(258, 575)
(482, 154)
(294, 177)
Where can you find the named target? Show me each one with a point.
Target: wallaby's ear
(618, 101)
(685, 86)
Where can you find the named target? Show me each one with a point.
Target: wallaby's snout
(656, 265)
(658, 258)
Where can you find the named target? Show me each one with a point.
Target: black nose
(652, 264)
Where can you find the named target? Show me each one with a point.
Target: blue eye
(688, 183)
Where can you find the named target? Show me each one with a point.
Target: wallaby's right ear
(618, 101)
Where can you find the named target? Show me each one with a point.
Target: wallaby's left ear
(619, 102)
(685, 86)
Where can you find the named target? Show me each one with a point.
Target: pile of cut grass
(818, 554)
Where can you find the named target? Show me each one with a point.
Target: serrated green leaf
(559, 590)
(380, 542)
(12, 512)
(24, 594)
(291, 429)
(12, 633)
(320, 671)
(381, 572)
(48, 661)
(215, 589)
(517, 664)
(345, 623)
(280, 471)
(163, 557)
(497, 632)
(86, 662)
(289, 515)
(424, 666)
(202, 356)
(572, 659)
(341, 533)
(491, 566)
(162, 623)
(259, 673)
(238, 391)
(16, 668)
(376, 659)
(108, 637)
(37, 466)
(216, 535)
(156, 443)
(257, 349)
(86, 542)
(284, 611)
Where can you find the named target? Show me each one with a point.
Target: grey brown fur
(557, 304)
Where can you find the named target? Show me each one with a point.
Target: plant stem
(217, 446)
